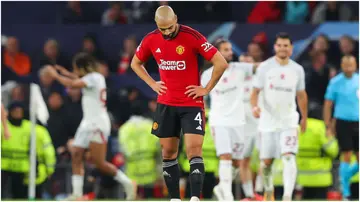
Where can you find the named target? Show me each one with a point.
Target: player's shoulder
(266, 64)
(190, 32)
(296, 65)
(338, 78)
(152, 34)
(240, 64)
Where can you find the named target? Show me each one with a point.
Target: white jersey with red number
(227, 97)
(94, 97)
(279, 84)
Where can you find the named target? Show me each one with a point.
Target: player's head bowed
(283, 45)
(84, 63)
(166, 21)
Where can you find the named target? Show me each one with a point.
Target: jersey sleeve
(89, 80)
(330, 91)
(301, 81)
(205, 77)
(206, 49)
(259, 77)
(143, 51)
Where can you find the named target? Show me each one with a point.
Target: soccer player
(343, 93)
(227, 119)
(281, 80)
(180, 96)
(95, 127)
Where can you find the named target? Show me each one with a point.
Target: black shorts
(170, 120)
(347, 133)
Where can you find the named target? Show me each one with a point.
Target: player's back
(177, 60)
(94, 97)
(227, 97)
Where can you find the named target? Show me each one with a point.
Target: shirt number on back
(103, 96)
(206, 46)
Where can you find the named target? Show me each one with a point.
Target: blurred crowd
(321, 61)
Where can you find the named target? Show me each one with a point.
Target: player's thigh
(222, 140)
(237, 142)
(169, 147)
(166, 122)
(192, 120)
(269, 145)
(344, 135)
(355, 136)
(98, 141)
(249, 144)
(289, 141)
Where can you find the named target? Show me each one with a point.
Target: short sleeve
(259, 77)
(143, 51)
(205, 77)
(301, 81)
(206, 49)
(330, 92)
(89, 80)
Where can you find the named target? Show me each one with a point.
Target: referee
(343, 93)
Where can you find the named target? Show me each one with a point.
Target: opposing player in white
(95, 126)
(281, 80)
(227, 118)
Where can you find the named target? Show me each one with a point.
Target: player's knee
(169, 153)
(77, 155)
(236, 163)
(267, 162)
(245, 163)
(225, 157)
(193, 152)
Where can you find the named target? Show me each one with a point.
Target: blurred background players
(281, 80)
(4, 124)
(343, 93)
(227, 119)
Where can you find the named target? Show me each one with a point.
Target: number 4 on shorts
(199, 119)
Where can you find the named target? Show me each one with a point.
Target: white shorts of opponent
(274, 144)
(229, 140)
(96, 131)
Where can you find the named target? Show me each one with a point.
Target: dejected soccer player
(180, 95)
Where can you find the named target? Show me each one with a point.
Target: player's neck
(282, 62)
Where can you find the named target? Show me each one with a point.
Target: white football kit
(226, 117)
(95, 125)
(278, 122)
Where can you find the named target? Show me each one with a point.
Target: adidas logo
(158, 50)
(166, 174)
(199, 128)
(196, 172)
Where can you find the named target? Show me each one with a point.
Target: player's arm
(328, 105)
(302, 99)
(65, 72)
(142, 54)
(258, 84)
(65, 81)
(220, 66)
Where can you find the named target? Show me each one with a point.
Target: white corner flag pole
(38, 110)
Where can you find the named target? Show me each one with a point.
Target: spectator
(265, 11)
(51, 56)
(320, 44)
(114, 15)
(74, 110)
(56, 124)
(47, 84)
(14, 59)
(74, 13)
(90, 46)
(331, 11)
(296, 12)
(318, 73)
(127, 54)
(347, 47)
(255, 50)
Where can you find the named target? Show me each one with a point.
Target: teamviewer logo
(181, 65)
(172, 65)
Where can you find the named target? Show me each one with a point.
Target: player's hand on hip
(159, 87)
(256, 112)
(196, 91)
(303, 125)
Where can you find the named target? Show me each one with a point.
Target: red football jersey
(177, 62)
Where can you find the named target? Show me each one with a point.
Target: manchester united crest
(155, 126)
(180, 50)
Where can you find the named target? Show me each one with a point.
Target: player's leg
(97, 148)
(259, 186)
(268, 151)
(344, 136)
(223, 146)
(167, 127)
(193, 126)
(289, 148)
(245, 170)
(354, 168)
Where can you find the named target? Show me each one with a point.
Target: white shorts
(92, 131)
(273, 144)
(229, 140)
(251, 129)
